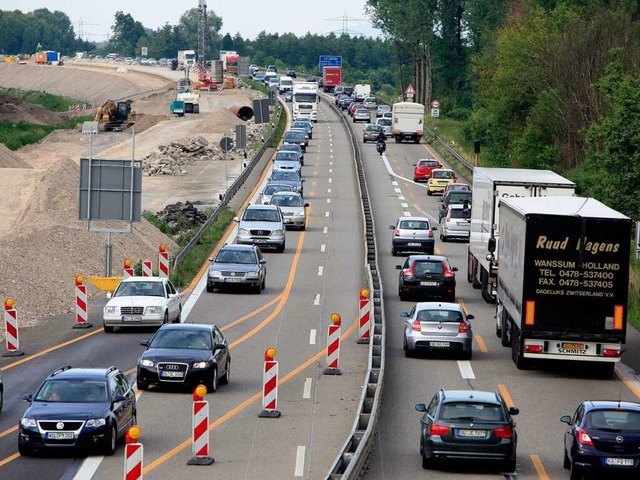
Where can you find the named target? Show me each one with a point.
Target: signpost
(435, 109)
(329, 61)
(226, 144)
(409, 93)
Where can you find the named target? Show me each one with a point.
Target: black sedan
(185, 354)
(603, 439)
(427, 276)
(468, 424)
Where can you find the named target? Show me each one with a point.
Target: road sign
(226, 144)
(410, 91)
(435, 112)
(330, 61)
(435, 104)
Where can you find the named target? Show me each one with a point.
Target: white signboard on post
(435, 112)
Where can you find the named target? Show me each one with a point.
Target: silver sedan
(293, 208)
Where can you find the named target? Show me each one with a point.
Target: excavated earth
(43, 245)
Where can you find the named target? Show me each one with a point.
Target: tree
(126, 34)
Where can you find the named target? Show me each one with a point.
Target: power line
(345, 30)
(81, 23)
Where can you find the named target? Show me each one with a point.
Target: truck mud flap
(486, 287)
(517, 346)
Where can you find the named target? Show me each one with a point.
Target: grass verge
(16, 135)
(55, 103)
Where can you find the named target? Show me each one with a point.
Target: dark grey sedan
(237, 266)
(288, 177)
(296, 137)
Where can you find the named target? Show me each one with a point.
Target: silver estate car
(412, 234)
(293, 208)
(437, 326)
(456, 223)
(262, 225)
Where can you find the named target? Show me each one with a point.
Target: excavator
(115, 117)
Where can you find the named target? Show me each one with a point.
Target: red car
(422, 170)
(353, 107)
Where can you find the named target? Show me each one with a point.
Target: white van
(285, 85)
(361, 91)
(268, 75)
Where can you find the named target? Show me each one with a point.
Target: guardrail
(228, 195)
(352, 459)
(463, 161)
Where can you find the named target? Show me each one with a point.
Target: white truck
(285, 85)
(408, 121)
(490, 185)
(185, 93)
(305, 101)
(187, 58)
(361, 91)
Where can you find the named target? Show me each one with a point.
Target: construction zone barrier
(270, 385)
(163, 261)
(81, 304)
(133, 453)
(147, 268)
(128, 268)
(200, 442)
(364, 317)
(333, 346)
(11, 329)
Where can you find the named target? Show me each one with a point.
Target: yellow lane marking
(234, 411)
(395, 161)
(627, 381)
(411, 194)
(438, 251)
(314, 183)
(505, 394)
(463, 305)
(10, 458)
(255, 312)
(312, 193)
(406, 184)
(481, 344)
(416, 206)
(537, 463)
(8, 431)
(315, 172)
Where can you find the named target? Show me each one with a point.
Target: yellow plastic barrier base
(106, 284)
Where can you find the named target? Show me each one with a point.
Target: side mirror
(306, 205)
(263, 261)
(514, 410)
(211, 259)
(454, 269)
(404, 314)
(119, 398)
(398, 267)
(421, 407)
(434, 228)
(470, 317)
(236, 219)
(391, 227)
(218, 346)
(491, 246)
(415, 164)
(566, 419)
(440, 200)
(109, 294)
(144, 343)
(27, 397)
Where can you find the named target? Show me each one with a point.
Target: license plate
(438, 344)
(573, 346)
(623, 462)
(414, 244)
(233, 280)
(171, 374)
(428, 284)
(63, 436)
(260, 241)
(472, 433)
(131, 319)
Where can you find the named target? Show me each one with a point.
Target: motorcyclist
(381, 142)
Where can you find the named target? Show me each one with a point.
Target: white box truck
(305, 101)
(408, 121)
(563, 281)
(490, 185)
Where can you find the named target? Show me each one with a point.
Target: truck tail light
(530, 313)
(583, 437)
(415, 326)
(618, 317)
(503, 432)
(533, 348)
(437, 429)
(611, 352)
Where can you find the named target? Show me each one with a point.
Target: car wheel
(134, 418)
(213, 381)
(403, 296)
(280, 248)
(303, 228)
(178, 319)
(468, 356)
(24, 450)
(209, 288)
(576, 473)
(427, 463)
(1, 399)
(394, 251)
(407, 353)
(451, 297)
(364, 140)
(263, 285)
(429, 192)
(227, 373)
(566, 462)
(112, 439)
(510, 465)
(142, 385)
(107, 329)
(443, 238)
(257, 288)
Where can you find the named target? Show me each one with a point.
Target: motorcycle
(381, 147)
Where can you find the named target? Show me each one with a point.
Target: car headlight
(215, 273)
(111, 310)
(95, 422)
(277, 233)
(252, 274)
(145, 362)
(301, 214)
(297, 188)
(155, 310)
(200, 364)
(28, 422)
(243, 231)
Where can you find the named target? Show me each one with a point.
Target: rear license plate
(472, 433)
(622, 462)
(171, 374)
(132, 319)
(428, 284)
(438, 344)
(413, 244)
(62, 436)
(573, 346)
(233, 280)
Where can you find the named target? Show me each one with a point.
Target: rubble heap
(182, 216)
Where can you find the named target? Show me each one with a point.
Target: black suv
(78, 408)
(468, 424)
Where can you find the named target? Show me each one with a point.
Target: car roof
(262, 207)
(438, 258)
(200, 327)
(420, 219)
(606, 404)
(238, 247)
(433, 305)
(470, 396)
(143, 279)
(78, 373)
(285, 194)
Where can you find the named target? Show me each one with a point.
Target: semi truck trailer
(563, 280)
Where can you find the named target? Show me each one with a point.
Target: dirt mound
(145, 121)
(15, 110)
(8, 159)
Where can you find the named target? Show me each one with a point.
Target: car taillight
(503, 432)
(415, 326)
(430, 233)
(408, 272)
(448, 273)
(449, 215)
(397, 233)
(583, 437)
(464, 328)
(437, 429)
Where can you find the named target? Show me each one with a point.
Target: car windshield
(236, 256)
(476, 412)
(439, 316)
(614, 420)
(460, 213)
(184, 339)
(294, 135)
(442, 174)
(303, 125)
(261, 215)
(287, 156)
(374, 128)
(286, 82)
(290, 148)
(289, 176)
(420, 267)
(457, 196)
(72, 391)
(385, 122)
(139, 289)
(414, 225)
(271, 189)
(287, 200)
(427, 163)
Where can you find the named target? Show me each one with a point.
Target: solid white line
(306, 393)
(316, 300)
(465, 370)
(312, 336)
(320, 270)
(406, 213)
(323, 247)
(299, 472)
(325, 230)
(404, 205)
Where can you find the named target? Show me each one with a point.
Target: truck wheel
(484, 280)
(196, 109)
(470, 269)
(506, 334)
(516, 351)
(416, 139)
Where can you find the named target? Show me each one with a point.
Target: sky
(94, 17)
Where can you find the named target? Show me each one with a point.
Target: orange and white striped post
(333, 346)
(81, 304)
(11, 329)
(270, 385)
(133, 452)
(147, 268)
(163, 261)
(364, 316)
(200, 423)
(128, 268)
